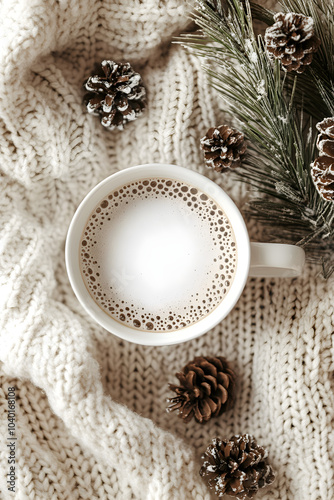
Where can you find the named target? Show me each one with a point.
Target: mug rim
(174, 172)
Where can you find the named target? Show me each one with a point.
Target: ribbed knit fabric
(91, 418)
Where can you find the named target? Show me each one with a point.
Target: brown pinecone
(236, 467)
(322, 172)
(223, 147)
(322, 169)
(325, 141)
(116, 94)
(206, 389)
(292, 40)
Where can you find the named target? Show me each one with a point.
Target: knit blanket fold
(90, 408)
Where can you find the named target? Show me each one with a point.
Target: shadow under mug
(254, 259)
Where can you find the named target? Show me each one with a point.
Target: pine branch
(281, 135)
(322, 13)
(315, 89)
(322, 69)
(262, 14)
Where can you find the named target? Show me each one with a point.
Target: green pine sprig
(322, 69)
(278, 118)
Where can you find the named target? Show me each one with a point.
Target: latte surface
(158, 255)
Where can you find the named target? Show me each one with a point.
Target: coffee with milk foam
(158, 255)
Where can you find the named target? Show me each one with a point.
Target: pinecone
(322, 169)
(116, 94)
(292, 40)
(236, 467)
(206, 389)
(223, 147)
(325, 141)
(322, 172)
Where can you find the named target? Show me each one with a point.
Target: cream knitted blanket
(90, 409)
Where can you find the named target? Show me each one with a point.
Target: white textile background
(91, 417)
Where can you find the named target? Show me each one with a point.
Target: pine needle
(275, 112)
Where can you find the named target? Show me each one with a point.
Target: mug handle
(276, 260)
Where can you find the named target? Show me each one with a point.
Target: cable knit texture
(91, 417)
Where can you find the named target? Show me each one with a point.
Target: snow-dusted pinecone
(116, 94)
(223, 147)
(291, 39)
(322, 169)
(236, 467)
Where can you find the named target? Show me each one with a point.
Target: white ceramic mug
(254, 259)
